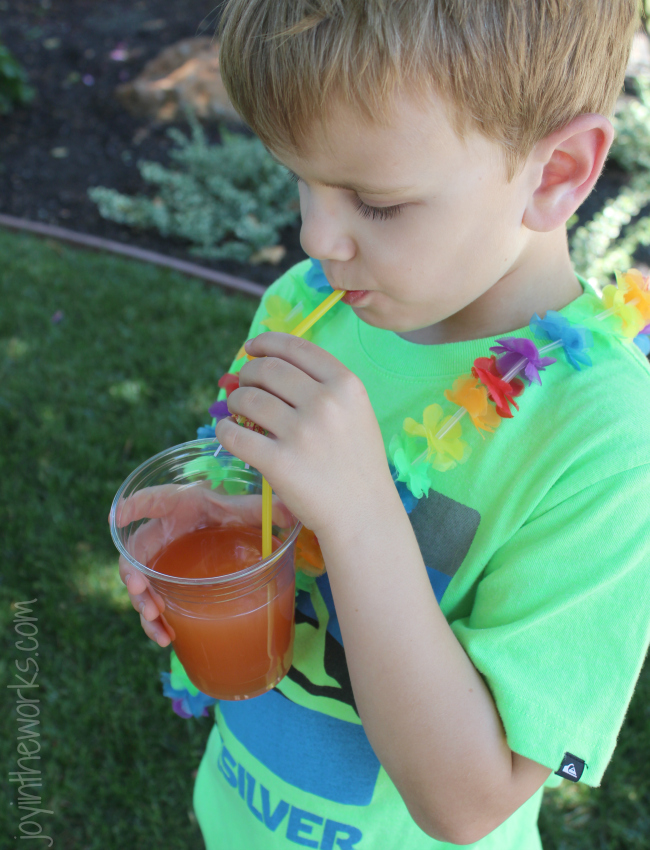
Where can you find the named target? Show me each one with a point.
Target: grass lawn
(130, 369)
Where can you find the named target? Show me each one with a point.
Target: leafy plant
(608, 242)
(230, 200)
(13, 82)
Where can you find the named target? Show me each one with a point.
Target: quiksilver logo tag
(571, 768)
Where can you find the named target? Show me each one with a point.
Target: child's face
(419, 223)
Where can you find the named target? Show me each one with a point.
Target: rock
(186, 73)
(272, 254)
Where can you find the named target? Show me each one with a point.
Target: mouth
(354, 297)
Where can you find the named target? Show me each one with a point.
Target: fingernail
(247, 344)
(126, 579)
(141, 607)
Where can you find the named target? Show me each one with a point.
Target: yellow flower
(614, 300)
(443, 452)
(283, 316)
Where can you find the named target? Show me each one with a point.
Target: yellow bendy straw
(316, 314)
(267, 510)
(320, 311)
(267, 493)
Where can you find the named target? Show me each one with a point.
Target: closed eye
(365, 210)
(378, 213)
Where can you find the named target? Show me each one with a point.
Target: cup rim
(246, 573)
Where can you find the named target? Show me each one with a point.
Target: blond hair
(516, 70)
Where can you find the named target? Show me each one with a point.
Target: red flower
(501, 392)
(229, 382)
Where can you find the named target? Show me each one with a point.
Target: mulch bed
(76, 135)
(65, 46)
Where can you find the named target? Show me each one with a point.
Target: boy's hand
(324, 454)
(148, 603)
(172, 511)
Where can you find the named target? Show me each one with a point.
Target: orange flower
(635, 288)
(467, 393)
(309, 558)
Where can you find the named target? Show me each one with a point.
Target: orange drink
(239, 647)
(191, 522)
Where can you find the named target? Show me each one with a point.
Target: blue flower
(575, 339)
(183, 702)
(205, 432)
(643, 342)
(315, 278)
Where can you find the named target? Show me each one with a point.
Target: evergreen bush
(229, 200)
(608, 242)
(13, 82)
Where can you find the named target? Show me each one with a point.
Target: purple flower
(521, 354)
(575, 339)
(315, 278)
(219, 409)
(119, 53)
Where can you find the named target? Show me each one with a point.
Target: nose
(324, 234)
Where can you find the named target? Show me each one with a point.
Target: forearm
(426, 710)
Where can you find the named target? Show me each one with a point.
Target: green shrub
(608, 242)
(229, 200)
(13, 82)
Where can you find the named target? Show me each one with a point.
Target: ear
(565, 166)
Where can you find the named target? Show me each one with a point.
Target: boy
(493, 621)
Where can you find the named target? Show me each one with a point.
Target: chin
(384, 323)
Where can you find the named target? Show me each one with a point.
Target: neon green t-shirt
(537, 549)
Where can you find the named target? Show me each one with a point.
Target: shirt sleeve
(560, 625)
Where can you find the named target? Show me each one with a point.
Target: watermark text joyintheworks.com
(28, 775)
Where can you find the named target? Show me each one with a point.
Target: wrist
(362, 515)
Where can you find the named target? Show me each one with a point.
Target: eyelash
(365, 210)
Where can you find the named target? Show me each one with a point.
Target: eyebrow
(365, 190)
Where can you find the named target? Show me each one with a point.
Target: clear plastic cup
(185, 514)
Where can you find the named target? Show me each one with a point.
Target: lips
(354, 296)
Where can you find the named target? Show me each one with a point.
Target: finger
(133, 579)
(144, 604)
(249, 446)
(143, 597)
(149, 540)
(150, 502)
(247, 510)
(155, 630)
(263, 408)
(278, 377)
(311, 359)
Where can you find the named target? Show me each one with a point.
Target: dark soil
(65, 47)
(75, 134)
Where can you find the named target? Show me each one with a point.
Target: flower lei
(488, 393)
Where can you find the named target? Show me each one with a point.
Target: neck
(542, 279)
